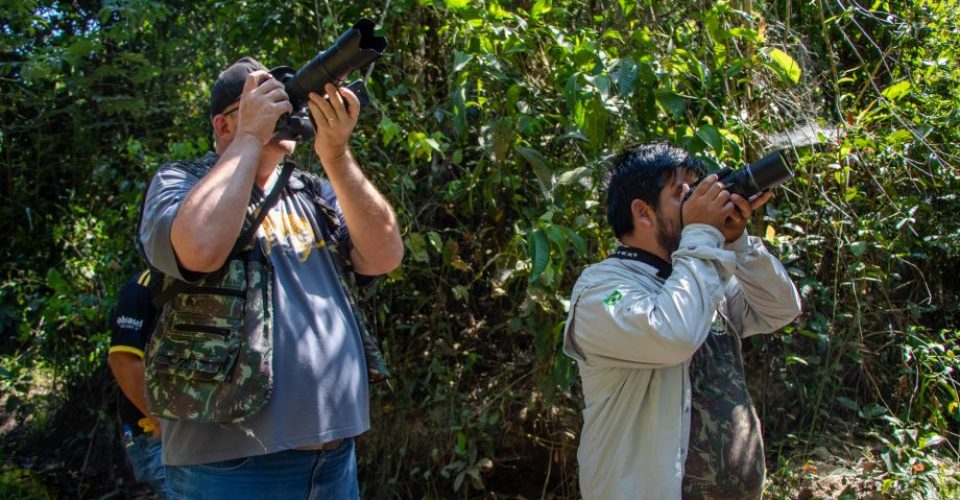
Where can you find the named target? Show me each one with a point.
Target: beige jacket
(633, 334)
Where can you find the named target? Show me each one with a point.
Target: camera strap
(662, 267)
(246, 236)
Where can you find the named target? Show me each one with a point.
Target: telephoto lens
(762, 175)
(355, 48)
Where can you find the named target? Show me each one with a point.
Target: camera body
(757, 177)
(355, 48)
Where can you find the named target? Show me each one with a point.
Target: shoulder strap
(330, 227)
(246, 236)
(330, 231)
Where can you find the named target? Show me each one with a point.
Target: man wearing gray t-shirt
(300, 445)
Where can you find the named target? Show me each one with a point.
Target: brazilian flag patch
(613, 298)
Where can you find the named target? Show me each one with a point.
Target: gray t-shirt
(320, 388)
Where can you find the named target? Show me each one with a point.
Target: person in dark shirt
(132, 324)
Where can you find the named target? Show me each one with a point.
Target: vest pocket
(197, 352)
(212, 302)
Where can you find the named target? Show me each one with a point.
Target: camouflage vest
(211, 356)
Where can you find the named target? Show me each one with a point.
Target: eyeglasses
(227, 113)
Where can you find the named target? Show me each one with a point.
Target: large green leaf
(538, 248)
(897, 91)
(627, 77)
(417, 245)
(540, 7)
(544, 174)
(671, 103)
(711, 136)
(787, 64)
(572, 175)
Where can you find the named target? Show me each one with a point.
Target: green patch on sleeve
(613, 298)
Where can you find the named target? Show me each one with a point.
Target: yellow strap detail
(126, 348)
(146, 424)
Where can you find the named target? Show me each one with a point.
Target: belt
(329, 445)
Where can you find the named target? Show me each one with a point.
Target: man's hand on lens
(709, 204)
(261, 105)
(335, 116)
(737, 221)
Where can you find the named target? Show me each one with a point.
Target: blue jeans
(294, 474)
(143, 453)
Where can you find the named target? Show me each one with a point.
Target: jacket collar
(663, 267)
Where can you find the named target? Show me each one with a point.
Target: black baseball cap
(229, 84)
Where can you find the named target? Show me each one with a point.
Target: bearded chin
(668, 235)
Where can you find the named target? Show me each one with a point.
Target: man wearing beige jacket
(656, 331)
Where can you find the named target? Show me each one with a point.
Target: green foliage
(908, 469)
(492, 125)
(21, 483)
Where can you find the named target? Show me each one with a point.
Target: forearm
(760, 274)
(209, 219)
(763, 296)
(374, 232)
(129, 372)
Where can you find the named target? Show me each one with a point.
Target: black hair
(641, 172)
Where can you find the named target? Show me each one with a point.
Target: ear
(643, 215)
(221, 126)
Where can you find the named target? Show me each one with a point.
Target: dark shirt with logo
(131, 325)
